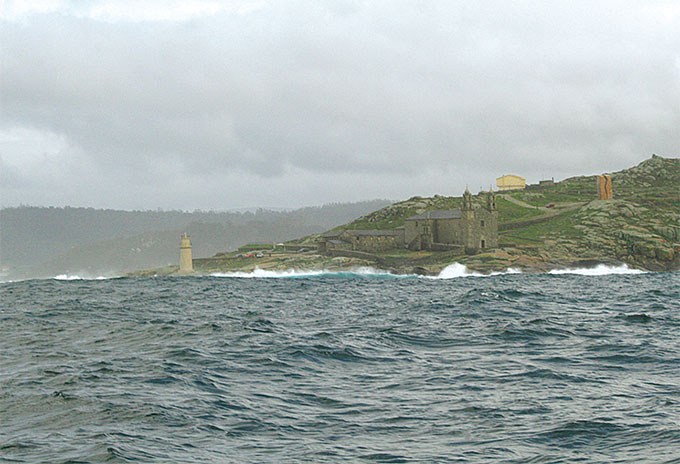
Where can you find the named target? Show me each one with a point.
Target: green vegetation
(394, 216)
(560, 226)
(575, 189)
(508, 211)
(256, 247)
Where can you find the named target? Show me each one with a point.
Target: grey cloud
(368, 90)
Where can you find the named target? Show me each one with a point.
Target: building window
(482, 222)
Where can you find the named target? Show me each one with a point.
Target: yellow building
(511, 182)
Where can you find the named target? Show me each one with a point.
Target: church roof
(437, 214)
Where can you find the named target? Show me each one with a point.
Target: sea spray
(77, 277)
(455, 270)
(599, 270)
(451, 271)
(293, 273)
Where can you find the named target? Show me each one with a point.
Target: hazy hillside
(42, 241)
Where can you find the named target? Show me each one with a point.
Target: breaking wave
(599, 270)
(452, 271)
(293, 273)
(455, 270)
(77, 277)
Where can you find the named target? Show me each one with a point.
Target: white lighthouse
(186, 265)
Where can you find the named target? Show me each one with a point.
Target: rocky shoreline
(492, 262)
(639, 227)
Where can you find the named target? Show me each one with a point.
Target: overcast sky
(224, 104)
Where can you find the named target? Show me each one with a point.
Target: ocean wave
(455, 270)
(451, 271)
(599, 270)
(294, 273)
(77, 277)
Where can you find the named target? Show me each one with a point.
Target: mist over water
(356, 366)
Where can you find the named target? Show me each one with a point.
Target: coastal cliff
(543, 227)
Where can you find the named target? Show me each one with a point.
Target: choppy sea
(342, 367)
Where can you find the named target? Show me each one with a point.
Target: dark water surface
(342, 368)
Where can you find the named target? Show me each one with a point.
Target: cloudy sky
(210, 104)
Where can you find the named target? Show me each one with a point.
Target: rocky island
(546, 226)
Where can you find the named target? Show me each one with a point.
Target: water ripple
(342, 368)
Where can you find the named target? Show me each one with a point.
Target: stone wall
(376, 243)
(447, 231)
(481, 230)
(447, 247)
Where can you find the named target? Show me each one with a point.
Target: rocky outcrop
(604, 187)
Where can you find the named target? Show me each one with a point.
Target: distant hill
(38, 241)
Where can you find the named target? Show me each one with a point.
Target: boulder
(668, 232)
(664, 253)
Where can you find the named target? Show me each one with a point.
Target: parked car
(302, 250)
(550, 205)
(259, 255)
(250, 255)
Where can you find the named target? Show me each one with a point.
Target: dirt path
(563, 206)
(521, 203)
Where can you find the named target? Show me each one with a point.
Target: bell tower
(467, 214)
(467, 200)
(491, 201)
(186, 265)
(490, 230)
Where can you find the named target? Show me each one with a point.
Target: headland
(627, 217)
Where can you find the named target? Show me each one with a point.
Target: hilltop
(547, 226)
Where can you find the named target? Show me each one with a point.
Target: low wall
(446, 247)
(294, 247)
(357, 254)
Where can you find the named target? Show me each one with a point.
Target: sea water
(342, 367)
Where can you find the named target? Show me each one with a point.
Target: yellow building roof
(510, 177)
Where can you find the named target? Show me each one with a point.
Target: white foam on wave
(267, 274)
(456, 270)
(452, 271)
(77, 277)
(599, 270)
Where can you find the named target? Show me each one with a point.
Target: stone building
(362, 240)
(511, 182)
(471, 229)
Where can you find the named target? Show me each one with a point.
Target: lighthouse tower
(185, 264)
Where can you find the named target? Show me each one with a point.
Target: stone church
(470, 230)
